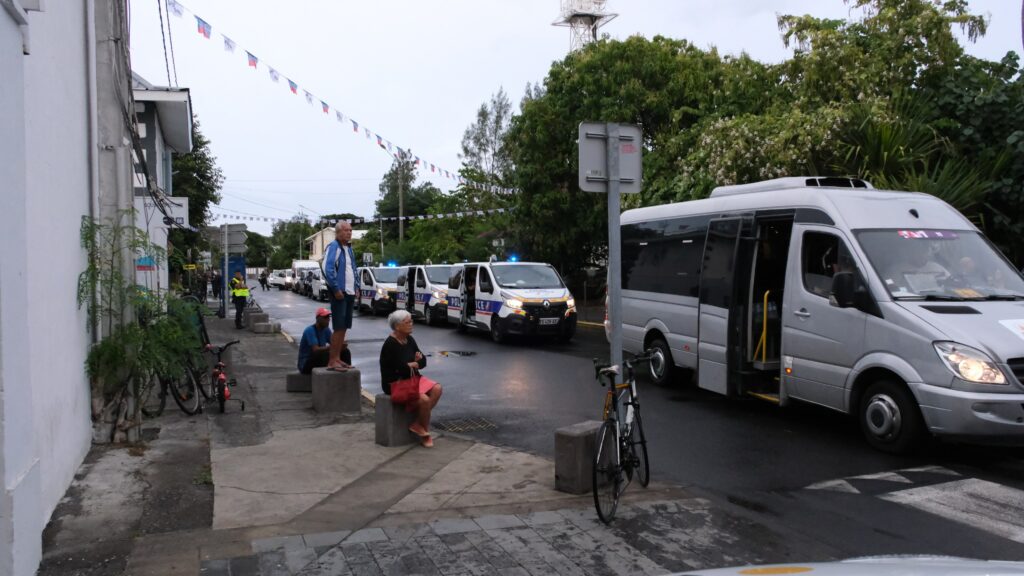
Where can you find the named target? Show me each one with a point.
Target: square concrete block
(266, 328)
(337, 391)
(297, 382)
(392, 423)
(574, 457)
(255, 318)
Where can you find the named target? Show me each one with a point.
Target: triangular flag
(324, 106)
(174, 8)
(203, 27)
(355, 126)
(309, 97)
(367, 130)
(338, 115)
(252, 59)
(293, 87)
(274, 75)
(229, 44)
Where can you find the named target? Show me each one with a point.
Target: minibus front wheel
(661, 365)
(889, 417)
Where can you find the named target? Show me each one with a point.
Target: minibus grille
(1017, 367)
(556, 310)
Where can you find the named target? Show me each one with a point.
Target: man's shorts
(341, 312)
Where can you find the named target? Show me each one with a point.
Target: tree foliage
(196, 176)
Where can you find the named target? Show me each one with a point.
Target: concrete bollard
(392, 423)
(266, 328)
(574, 457)
(337, 391)
(297, 382)
(255, 318)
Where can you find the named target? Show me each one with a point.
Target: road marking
(984, 505)
(897, 476)
(288, 337)
(890, 476)
(834, 486)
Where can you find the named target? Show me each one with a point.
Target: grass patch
(204, 477)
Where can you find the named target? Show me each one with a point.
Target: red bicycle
(220, 384)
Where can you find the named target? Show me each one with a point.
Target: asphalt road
(801, 469)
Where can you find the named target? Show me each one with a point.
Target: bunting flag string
(243, 217)
(205, 29)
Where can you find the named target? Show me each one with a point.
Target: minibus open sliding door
(721, 311)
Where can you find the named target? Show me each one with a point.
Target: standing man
(263, 280)
(342, 284)
(240, 296)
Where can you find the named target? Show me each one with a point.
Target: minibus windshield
(940, 265)
(389, 275)
(525, 276)
(438, 274)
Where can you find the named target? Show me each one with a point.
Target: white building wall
(57, 186)
(20, 507)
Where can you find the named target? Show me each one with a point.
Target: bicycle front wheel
(607, 473)
(638, 451)
(186, 393)
(153, 397)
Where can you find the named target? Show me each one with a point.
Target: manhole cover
(447, 353)
(465, 425)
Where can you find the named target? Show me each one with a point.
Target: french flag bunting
(389, 146)
(431, 168)
(355, 126)
(309, 97)
(174, 8)
(339, 116)
(324, 106)
(274, 75)
(252, 59)
(417, 162)
(367, 131)
(293, 87)
(203, 27)
(229, 44)
(380, 141)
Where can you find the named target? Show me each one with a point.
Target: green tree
(258, 249)
(417, 198)
(196, 176)
(483, 143)
(288, 241)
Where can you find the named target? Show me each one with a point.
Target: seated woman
(400, 363)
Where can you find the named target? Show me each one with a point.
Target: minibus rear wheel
(661, 366)
(889, 417)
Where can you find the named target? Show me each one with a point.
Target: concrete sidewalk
(296, 492)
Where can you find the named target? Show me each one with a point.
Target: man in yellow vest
(240, 296)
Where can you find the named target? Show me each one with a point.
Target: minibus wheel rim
(883, 417)
(658, 364)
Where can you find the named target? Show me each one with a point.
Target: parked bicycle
(621, 445)
(220, 384)
(184, 390)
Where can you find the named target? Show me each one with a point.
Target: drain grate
(465, 425)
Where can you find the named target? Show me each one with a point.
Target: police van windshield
(388, 275)
(940, 265)
(526, 276)
(438, 274)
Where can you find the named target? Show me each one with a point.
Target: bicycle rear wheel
(638, 451)
(153, 397)
(607, 473)
(186, 393)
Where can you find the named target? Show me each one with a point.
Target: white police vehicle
(378, 289)
(423, 291)
(502, 298)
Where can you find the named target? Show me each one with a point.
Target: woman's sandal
(427, 442)
(419, 431)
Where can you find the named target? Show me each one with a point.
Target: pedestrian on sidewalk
(263, 281)
(315, 346)
(342, 285)
(239, 296)
(400, 363)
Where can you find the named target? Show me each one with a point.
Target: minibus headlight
(380, 292)
(969, 364)
(514, 303)
(438, 294)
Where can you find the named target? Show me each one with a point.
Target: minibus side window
(822, 255)
(485, 282)
(421, 282)
(455, 279)
(665, 256)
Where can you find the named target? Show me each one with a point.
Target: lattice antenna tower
(583, 18)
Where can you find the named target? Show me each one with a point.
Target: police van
(378, 289)
(423, 291)
(502, 298)
(890, 306)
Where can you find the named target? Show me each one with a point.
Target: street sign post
(610, 159)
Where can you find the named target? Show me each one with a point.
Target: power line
(163, 36)
(278, 208)
(170, 39)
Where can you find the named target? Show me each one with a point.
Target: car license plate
(548, 321)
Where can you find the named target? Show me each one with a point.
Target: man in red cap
(315, 346)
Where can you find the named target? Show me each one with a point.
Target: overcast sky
(413, 71)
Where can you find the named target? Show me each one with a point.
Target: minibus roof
(852, 208)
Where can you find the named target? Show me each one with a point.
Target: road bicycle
(220, 384)
(621, 447)
(184, 390)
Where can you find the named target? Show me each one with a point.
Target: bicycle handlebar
(602, 368)
(220, 350)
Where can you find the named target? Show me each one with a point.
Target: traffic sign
(593, 149)
(367, 257)
(189, 266)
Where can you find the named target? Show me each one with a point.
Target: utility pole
(401, 197)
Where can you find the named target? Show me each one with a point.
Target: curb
(368, 397)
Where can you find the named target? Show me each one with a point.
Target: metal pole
(614, 245)
(224, 277)
(401, 198)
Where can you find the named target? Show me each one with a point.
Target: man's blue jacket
(335, 261)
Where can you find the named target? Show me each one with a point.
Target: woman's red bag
(405, 390)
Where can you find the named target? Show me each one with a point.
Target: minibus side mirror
(401, 280)
(844, 290)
